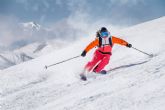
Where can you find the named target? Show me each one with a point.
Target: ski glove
(129, 45)
(83, 53)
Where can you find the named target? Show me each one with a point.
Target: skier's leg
(103, 63)
(96, 58)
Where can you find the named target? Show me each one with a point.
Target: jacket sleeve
(119, 41)
(92, 45)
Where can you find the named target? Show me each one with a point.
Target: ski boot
(83, 77)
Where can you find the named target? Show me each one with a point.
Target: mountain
(37, 40)
(29, 52)
(134, 81)
(30, 25)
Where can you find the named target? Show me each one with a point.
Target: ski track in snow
(134, 82)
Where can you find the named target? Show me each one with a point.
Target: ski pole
(151, 55)
(62, 61)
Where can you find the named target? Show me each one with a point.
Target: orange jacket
(115, 40)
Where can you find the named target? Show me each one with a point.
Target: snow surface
(134, 82)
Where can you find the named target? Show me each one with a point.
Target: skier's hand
(129, 45)
(83, 54)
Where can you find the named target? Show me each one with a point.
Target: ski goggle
(104, 34)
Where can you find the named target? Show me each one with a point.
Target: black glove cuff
(129, 45)
(83, 53)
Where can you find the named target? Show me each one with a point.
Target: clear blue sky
(116, 11)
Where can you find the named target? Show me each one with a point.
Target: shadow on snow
(127, 66)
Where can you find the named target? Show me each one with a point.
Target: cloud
(36, 7)
(24, 3)
(58, 2)
(75, 5)
(7, 29)
(46, 4)
(127, 2)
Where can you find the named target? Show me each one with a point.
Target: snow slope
(134, 82)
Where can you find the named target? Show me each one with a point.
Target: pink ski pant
(100, 59)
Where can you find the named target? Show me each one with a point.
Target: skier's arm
(119, 41)
(90, 46)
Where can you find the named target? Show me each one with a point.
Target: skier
(104, 41)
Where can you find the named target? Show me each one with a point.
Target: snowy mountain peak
(31, 25)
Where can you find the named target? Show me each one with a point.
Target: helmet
(103, 29)
(104, 32)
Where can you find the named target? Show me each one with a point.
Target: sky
(79, 13)
(117, 11)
